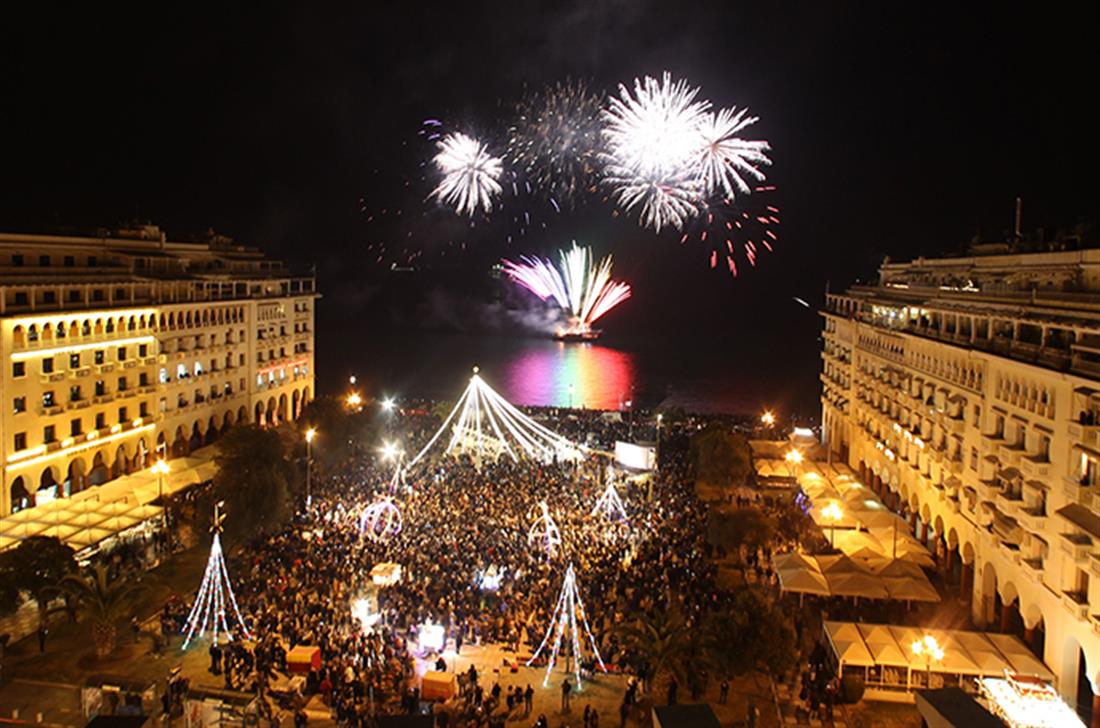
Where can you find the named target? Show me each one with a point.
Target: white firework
(470, 174)
(725, 158)
(652, 137)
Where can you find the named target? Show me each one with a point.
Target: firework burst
(470, 174)
(555, 141)
(725, 159)
(737, 229)
(652, 136)
(583, 289)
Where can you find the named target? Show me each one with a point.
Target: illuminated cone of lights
(565, 620)
(544, 532)
(485, 425)
(610, 505)
(215, 598)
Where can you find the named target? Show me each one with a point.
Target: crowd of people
(464, 519)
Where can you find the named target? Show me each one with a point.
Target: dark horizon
(895, 132)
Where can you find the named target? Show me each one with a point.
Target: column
(924, 534)
(1006, 617)
(965, 583)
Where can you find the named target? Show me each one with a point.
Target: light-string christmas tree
(544, 532)
(610, 505)
(210, 609)
(565, 619)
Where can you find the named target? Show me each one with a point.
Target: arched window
(20, 498)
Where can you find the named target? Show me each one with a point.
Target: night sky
(897, 130)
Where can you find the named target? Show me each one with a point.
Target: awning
(1082, 518)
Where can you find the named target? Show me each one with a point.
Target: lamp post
(393, 451)
(310, 434)
(768, 419)
(160, 467)
(387, 404)
(930, 648)
(570, 395)
(354, 401)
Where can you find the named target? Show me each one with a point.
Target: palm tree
(663, 640)
(103, 602)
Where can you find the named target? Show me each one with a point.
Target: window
(181, 371)
(48, 434)
(74, 361)
(20, 404)
(92, 261)
(143, 350)
(74, 296)
(47, 399)
(198, 368)
(18, 369)
(122, 418)
(100, 421)
(143, 409)
(76, 428)
(74, 393)
(47, 365)
(97, 294)
(44, 261)
(100, 388)
(122, 353)
(143, 379)
(20, 298)
(122, 384)
(69, 261)
(17, 260)
(49, 297)
(163, 375)
(99, 356)
(20, 441)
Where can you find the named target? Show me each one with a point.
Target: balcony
(1087, 435)
(1076, 492)
(81, 372)
(1009, 453)
(1077, 546)
(1035, 467)
(1032, 519)
(1008, 503)
(1076, 604)
(991, 442)
(1033, 569)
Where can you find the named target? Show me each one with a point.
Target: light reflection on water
(564, 375)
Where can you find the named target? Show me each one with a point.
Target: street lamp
(834, 514)
(354, 400)
(387, 404)
(768, 418)
(570, 395)
(930, 648)
(310, 434)
(393, 451)
(160, 467)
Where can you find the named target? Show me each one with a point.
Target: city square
(608, 364)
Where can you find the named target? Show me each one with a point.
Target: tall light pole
(660, 417)
(160, 467)
(930, 648)
(310, 434)
(570, 395)
(834, 514)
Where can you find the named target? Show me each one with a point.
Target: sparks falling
(470, 174)
(585, 291)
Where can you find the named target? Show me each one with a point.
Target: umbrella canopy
(910, 589)
(803, 581)
(856, 585)
(794, 560)
(836, 564)
(896, 568)
(844, 631)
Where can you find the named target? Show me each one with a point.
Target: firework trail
(747, 227)
(470, 174)
(584, 290)
(724, 157)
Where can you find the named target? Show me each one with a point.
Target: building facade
(120, 347)
(966, 392)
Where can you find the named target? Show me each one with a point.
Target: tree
(662, 641)
(732, 529)
(254, 479)
(103, 603)
(340, 432)
(720, 456)
(38, 565)
(753, 634)
(9, 589)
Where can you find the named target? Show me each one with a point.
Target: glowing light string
(381, 520)
(209, 611)
(568, 608)
(544, 532)
(610, 505)
(484, 424)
